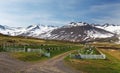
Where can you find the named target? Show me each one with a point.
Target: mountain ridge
(74, 31)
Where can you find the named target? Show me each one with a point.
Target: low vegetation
(105, 44)
(36, 56)
(109, 65)
(14, 44)
(90, 50)
(28, 56)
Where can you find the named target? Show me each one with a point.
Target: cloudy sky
(58, 12)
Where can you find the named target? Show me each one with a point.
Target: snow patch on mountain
(75, 24)
(77, 33)
(110, 27)
(73, 31)
(32, 30)
(96, 34)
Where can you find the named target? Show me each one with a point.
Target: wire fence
(81, 56)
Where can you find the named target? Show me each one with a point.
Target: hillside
(72, 32)
(20, 40)
(79, 32)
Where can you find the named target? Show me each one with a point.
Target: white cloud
(28, 19)
(26, 12)
(112, 11)
(13, 13)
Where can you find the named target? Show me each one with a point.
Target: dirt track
(9, 64)
(53, 65)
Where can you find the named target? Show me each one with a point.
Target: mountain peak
(78, 24)
(107, 24)
(2, 27)
(75, 24)
(35, 26)
(74, 31)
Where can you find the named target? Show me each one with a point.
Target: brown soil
(53, 65)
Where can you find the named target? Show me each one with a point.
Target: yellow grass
(113, 52)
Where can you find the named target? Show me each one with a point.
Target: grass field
(56, 47)
(36, 56)
(9, 41)
(105, 44)
(28, 56)
(109, 65)
(12, 41)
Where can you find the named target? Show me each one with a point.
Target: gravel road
(53, 65)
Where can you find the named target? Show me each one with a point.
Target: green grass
(63, 50)
(89, 51)
(28, 56)
(105, 44)
(36, 56)
(9, 41)
(34, 43)
(109, 65)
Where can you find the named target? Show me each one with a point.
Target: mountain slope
(32, 30)
(36, 30)
(78, 33)
(110, 27)
(74, 32)
(12, 31)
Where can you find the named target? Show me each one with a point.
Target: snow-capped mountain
(32, 30)
(75, 32)
(110, 27)
(6, 30)
(2, 27)
(74, 24)
(36, 30)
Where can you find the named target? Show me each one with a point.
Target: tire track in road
(54, 65)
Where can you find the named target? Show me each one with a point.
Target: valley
(109, 65)
(59, 36)
(72, 32)
(33, 62)
(59, 62)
